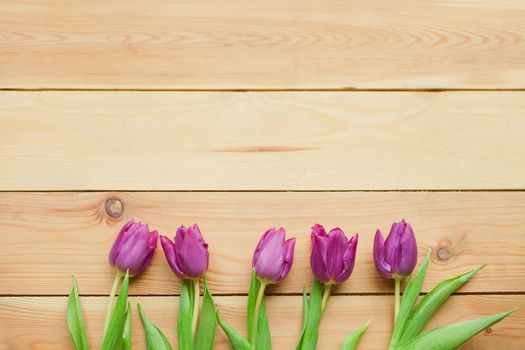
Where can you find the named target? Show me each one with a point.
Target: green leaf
(113, 337)
(208, 322)
(126, 334)
(451, 336)
(408, 301)
(305, 317)
(352, 340)
(75, 322)
(311, 333)
(184, 331)
(155, 339)
(252, 299)
(264, 339)
(237, 341)
(431, 302)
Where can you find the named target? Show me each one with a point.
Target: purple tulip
(333, 255)
(273, 256)
(397, 256)
(133, 248)
(188, 255)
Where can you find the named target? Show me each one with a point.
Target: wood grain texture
(47, 236)
(36, 323)
(261, 141)
(276, 44)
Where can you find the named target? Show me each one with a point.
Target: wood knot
(488, 330)
(443, 253)
(114, 207)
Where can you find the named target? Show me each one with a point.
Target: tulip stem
(326, 293)
(196, 294)
(258, 302)
(397, 294)
(109, 310)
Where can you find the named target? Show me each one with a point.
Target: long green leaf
(311, 333)
(208, 322)
(252, 296)
(155, 339)
(352, 340)
(126, 334)
(75, 322)
(237, 341)
(184, 331)
(451, 336)
(305, 318)
(113, 337)
(264, 339)
(408, 301)
(431, 302)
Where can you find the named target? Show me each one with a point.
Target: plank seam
(343, 89)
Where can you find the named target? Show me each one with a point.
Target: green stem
(196, 295)
(109, 310)
(258, 301)
(326, 293)
(397, 295)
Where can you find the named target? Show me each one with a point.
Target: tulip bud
(133, 248)
(273, 257)
(333, 255)
(188, 255)
(397, 256)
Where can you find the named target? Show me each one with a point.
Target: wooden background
(247, 115)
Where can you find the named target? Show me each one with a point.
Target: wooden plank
(261, 141)
(47, 236)
(39, 322)
(275, 44)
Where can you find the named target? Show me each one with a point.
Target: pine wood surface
(261, 141)
(47, 236)
(274, 44)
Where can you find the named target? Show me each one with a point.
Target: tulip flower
(333, 255)
(272, 261)
(188, 254)
(396, 257)
(133, 249)
(188, 257)
(332, 262)
(131, 253)
(273, 256)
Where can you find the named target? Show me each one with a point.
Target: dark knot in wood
(114, 207)
(443, 253)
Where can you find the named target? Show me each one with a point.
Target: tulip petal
(260, 245)
(169, 251)
(123, 234)
(192, 255)
(270, 255)
(348, 259)
(408, 258)
(319, 230)
(382, 267)
(393, 245)
(319, 255)
(132, 249)
(196, 232)
(336, 248)
(289, 246)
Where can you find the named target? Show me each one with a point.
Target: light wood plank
(275, 44)
(47, 236)
(268, 141)
(38, 323)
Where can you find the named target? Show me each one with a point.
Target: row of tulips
(332, 262)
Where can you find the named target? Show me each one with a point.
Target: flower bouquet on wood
(332, 261)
